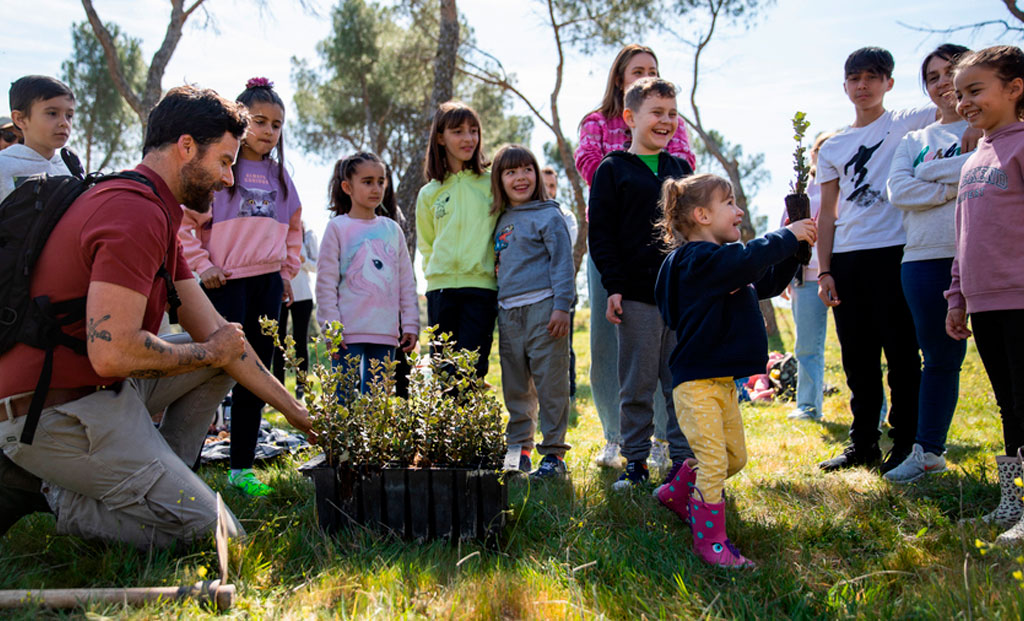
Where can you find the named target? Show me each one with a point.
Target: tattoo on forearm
(93, 331)
(147, 373)
(155, 345)
(194, 352)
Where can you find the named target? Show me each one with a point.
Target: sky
(752, 81)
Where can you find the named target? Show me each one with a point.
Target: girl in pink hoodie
(988, 270)
(246, 251)
(364, 275)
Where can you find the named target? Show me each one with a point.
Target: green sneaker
(247, 482)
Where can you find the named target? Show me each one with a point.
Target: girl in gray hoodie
(536, 289)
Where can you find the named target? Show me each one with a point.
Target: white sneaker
(512, 457)
(659, 460)
(916, 465)
(610, 456)
(801, 414)
(53, 494)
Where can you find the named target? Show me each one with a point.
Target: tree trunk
(142, 102)
(444, 74)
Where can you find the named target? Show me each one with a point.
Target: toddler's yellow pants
(709, 415)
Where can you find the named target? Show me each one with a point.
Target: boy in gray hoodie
(42, 107)
(535, 293)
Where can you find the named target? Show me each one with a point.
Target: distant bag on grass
(778, 381)
(782, 372)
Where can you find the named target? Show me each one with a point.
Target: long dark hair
(389, 203)
(340, 201)
(452, 114)
(261, 90)
(612, 104)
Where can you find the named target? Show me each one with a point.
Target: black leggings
(243, 301)
(469, 314)
(301, 312)
(1000, 339)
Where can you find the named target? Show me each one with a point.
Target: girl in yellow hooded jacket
(454, 229)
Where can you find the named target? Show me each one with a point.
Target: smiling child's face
(519, 184)
(724, 217)
(653, 124)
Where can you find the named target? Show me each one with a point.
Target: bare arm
(826, 235)
(199, 318)
(119, 347)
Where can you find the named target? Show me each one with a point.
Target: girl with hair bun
(246, 250)
(923, 183)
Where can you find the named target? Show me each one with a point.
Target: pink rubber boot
(710, 542)
(675, 494)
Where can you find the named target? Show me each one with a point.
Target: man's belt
(13, 407)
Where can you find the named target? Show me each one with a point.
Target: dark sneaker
(851, 457)
(525, 465)
(517, 461)
(550, 467)
(16, 477)
(896, 456)
(636, 473)
(17, 503)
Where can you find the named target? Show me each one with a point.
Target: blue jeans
(604, 366)
(811, 318)
(365, 352)
(923, 284)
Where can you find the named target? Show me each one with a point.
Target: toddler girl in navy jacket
(707, 292)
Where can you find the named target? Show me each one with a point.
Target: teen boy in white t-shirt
(859, 255)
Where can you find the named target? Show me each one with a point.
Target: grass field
(844, 545)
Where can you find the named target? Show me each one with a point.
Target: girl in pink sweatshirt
(364, 276)
(988, 270)
(246, 251)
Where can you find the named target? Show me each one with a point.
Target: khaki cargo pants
(122, 478)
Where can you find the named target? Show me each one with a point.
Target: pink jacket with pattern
(599, 136)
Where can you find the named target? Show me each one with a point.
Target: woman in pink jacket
(601, 132)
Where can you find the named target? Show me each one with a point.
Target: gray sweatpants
(645, 344)
(534, 374)
(121, 478)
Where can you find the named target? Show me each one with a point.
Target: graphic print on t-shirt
(926, 155)
(256, 202)
(862, 194)
(371, 271)
(500, 243)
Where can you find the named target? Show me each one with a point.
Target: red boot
(709, 539)
(674, 494)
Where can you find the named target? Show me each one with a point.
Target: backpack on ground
(27, 218)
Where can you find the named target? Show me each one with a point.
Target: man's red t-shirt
(116, 233)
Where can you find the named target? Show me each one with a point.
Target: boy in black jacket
(623, 244)
(707, 291)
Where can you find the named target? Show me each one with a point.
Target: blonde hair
(679, 197)
(816, 148)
